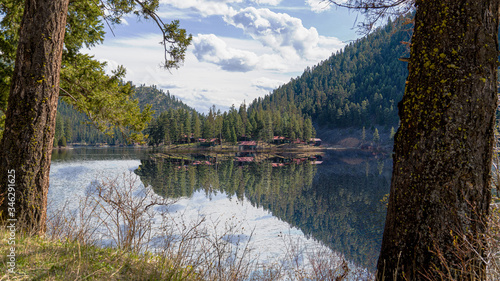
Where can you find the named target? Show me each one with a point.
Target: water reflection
(334, 197)
(343, 206)
(98, 153)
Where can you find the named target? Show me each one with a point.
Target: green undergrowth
(44, 259)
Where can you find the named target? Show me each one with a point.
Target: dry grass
(493, 243)
(44, 259)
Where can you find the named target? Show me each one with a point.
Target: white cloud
(223, 69)
(124, 21)
(210, 48)
(174, 13)
(267, 84)
(283, 33)
(198, 84)
(204, 7)
(319, 6)
(267, 2)
(275, 62)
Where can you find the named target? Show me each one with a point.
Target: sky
(241, 49)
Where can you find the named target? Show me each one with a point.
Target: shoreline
(230, 148)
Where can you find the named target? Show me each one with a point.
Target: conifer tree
(196, 126)
(440, 186)
(34, 41)
(376, 136)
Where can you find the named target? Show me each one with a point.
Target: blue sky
(241, 49)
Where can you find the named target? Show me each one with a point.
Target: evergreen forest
(357, 87)
(75, 127)
(182, 126)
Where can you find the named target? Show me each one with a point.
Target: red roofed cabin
(247, 145)
(279, 140)
(315, 141)
(208, 142)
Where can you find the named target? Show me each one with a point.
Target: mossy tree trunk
(27, 141)
(440, 190)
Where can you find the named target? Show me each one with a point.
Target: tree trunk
(27, 141)
(440, 189)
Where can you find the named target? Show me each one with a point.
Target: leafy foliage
(105, 99)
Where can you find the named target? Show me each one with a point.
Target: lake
(332, 199)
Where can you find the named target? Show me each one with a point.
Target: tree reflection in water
(336, 197)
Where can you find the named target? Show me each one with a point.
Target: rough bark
(26, 146)
(440, 189)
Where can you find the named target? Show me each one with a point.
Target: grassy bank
(46, 259)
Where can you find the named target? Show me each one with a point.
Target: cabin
(208, 142)
(278, 140)
(247, 145)
(315, 141)
(184, 139)
(245, 159)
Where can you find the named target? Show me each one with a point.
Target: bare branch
(376, 10)
(105, 17)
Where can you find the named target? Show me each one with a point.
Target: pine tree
(440, 187)
(187, 124)
(196, 126)
(209, 125)
(308, 127)
(233, 138)
(34, 40)
(376, 136)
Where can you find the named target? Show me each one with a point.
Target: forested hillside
(175, 122)
(359, 86)
(356, 87)
(75, 127)
(158, 99)
(181, 126)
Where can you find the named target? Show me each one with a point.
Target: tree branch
(66, 94)
(375, 10)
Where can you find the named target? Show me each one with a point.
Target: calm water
(333, 197)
